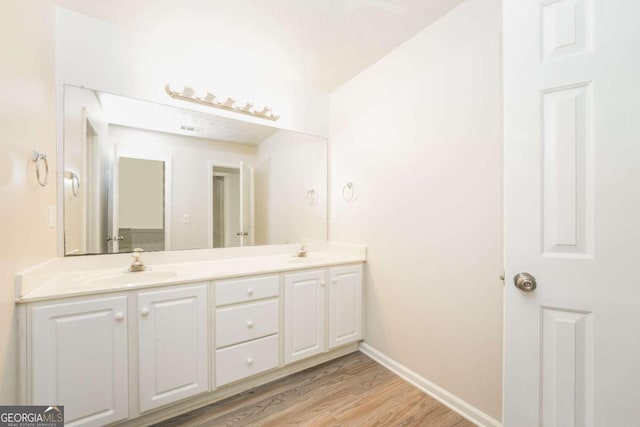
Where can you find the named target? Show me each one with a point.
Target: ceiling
(125, 111)
(323, 43)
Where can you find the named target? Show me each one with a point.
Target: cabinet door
(345, 305)
(172, 345)
(79, 359)
(304, 314)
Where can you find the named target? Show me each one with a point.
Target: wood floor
(350, 391)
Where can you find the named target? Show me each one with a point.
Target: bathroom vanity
(136, 348)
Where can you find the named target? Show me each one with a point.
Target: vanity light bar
(188, 94)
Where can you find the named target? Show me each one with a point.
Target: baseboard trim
(453, 402)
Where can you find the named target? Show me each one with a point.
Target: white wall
(419, 133)
(190, 174)
(102, 56)
(289, 165)
(27, 111)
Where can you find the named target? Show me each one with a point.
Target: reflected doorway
(142, 200)
(231, 210)
(226, 207)
(139, 203)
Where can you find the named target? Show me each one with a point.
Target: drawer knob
(250, 291)
(249, 324)
(119, 316)
(249, 361)
(144, 311)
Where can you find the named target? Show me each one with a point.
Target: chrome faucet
(301, 253)
(137, 264)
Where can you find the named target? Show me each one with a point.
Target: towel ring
(348, 191)
(311, 196)
(39, 158)
(75, 184)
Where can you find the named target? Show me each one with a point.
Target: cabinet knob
(250, 291)
(249, 361)
(119, 316)
(249, 324)
(322, 283)
(144, 311)
(334, 280)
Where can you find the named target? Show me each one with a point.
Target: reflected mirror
(144, 175)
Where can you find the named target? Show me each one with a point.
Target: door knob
(525, 282)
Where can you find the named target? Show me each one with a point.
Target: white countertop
(88, 282)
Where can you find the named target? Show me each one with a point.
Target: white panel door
(572, 200)
(304, 315)
(79, 359)
(345, 305)
(172, 345)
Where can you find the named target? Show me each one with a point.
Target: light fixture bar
(209, 100)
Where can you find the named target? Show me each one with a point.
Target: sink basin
(130, 279)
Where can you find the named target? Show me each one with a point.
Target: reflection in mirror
(140, 219)
(156, 177)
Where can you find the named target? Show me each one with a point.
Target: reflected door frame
(211, 165)
(226, 233)
(90, 238)
(246, 207)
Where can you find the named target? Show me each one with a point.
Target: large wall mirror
(143, 175)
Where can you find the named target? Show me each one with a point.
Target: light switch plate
(51, 216)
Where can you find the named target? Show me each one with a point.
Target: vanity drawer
(243, 290)
(246, 322)
(244, 360)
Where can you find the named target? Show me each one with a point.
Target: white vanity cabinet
(79, 359)
(172, 344)
(312, 307)
(141, 354)
(345, 305)
(304, 315)
(247, 327)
